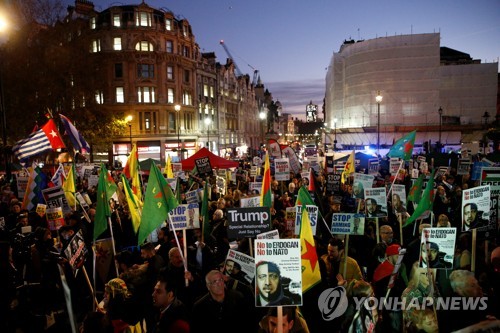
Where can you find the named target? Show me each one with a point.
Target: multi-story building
(174, 98)
(438, 91)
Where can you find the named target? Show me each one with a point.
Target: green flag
(158, 202)
(304, 198)
(106, 187)
(403, 148)
(416, 190)
(204, 213)
(426, 202)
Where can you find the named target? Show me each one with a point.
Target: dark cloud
(294, 96)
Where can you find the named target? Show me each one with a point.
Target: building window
(96, 46)
(92, 23)
(185, 51)
(184, 31)
(170, 72)
(143, 19)
(146, 95)
(169, 46)
(187, 76)
(170, 95)
(147, 121)
(120, 95)
(116, 20)
(171, 122)
(211, 91)
(117, 43)
(99, 97)
(168, 24)
(144, 46)
(146, 71)
(186, 98)
(205, 90)
(118, 70)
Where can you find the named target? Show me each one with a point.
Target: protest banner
(248, 222)
(437, 248)
(348, 224)
(55, 218)
(239, 266)
(491, 176)
(41, 209)
(255, 187)
(476, 207)
(76, 251)
(186, 216)
(463, 166)
(329, 163)
(278, 272)
(293, 159)
(313, 217)
(281, 169)
(373, 166)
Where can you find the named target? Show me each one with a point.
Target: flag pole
(113, 245)
(395, 178)
(178, 246)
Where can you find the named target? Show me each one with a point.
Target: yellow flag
(310, 266)
(134, 205)
(131, 171)
(168, 168)
(69, 187)
(349, 167)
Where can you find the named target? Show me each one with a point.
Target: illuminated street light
(378, 99)
(262, 116)
(129, 121)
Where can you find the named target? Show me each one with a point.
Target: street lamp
(262, 116)
(4, 25)
(208, 121)
(129, 120)
(334, 134)
(378, 99)
(440, 111)
(177, 108)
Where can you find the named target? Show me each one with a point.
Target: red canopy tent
(215, 161)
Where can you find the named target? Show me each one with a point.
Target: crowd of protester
(156, 291)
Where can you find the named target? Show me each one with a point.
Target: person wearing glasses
(222, 309)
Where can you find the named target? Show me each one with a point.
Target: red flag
(312, 185)
(45, 139)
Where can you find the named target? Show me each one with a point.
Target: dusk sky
(291, 41)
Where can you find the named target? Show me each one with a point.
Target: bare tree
(46, 12)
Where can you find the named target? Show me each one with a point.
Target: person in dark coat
(173, 314)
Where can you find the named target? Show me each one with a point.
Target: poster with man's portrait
(239, 266)
(360, 182)
(437, 248)
(375, 202)
(476, 207)
(278, 272)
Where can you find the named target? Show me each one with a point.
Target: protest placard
(278, 272)
(360, 182)
(239, 266)
(375, 202)
(313, 217)
(248, 222)
(186, 216)
(476, 207)
(437, 248)
(281, 169)
(348, 224)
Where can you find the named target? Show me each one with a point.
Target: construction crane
(238, 71)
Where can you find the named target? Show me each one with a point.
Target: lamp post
(208, 121)
(262, 116)
(440, 111)
(3, 27)
(378, 99)
(177, 108)
(129, 120)
(334, 134)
